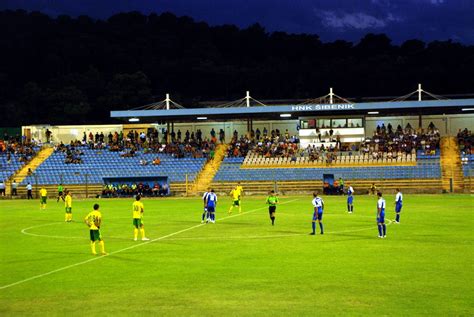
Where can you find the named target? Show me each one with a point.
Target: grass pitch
(240, 266)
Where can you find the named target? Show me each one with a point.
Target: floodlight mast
(419, 92)
(247, 98)
(331, 96)
(167, 100)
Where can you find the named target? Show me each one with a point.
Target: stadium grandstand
(413, 143)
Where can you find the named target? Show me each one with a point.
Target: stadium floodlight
(373, 112)
(133, 120)
(285, 115)
(201, 118)
(467, 109)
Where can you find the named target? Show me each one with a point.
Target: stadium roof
(293, 111)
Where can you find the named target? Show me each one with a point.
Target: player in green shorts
(94, 220)
(235, 194)
(43, 197)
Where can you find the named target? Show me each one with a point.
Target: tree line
(66, 70)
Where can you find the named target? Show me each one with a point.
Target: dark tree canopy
(75, 70)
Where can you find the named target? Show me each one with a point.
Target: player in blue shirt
(398, 205)
(205, 214)
(318, 205)
(381, 216)
(350, 199)
(211, 203)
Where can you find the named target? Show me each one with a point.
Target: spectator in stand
(2, 188)
(221, 136)
(14, 188)
(29, 191)
(156, 189)
(164, 190)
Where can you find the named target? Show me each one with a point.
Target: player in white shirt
(318, 207)
(350, 199)
(205, 214)
(398, 205)
(211, 203)
(381, 216)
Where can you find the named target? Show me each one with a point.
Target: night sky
(331, 19)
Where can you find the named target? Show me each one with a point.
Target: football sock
(380, 230)
(397, 218)
(348, 207)
(273, 220)
(93, 247)
(102, 247)
(314, 226)
(384, 227)
(203, 215)
(321, 227)
(352, 208)
(142, 232)
(135, 233)
(66, 217)
(213, 216)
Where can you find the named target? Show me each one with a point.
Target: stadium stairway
(39, 158)
(451, 165)
(205, 177)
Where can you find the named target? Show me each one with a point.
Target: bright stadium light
(467, 109)
(133, 120)
(285, 115)
(373, 112)
(201, 118)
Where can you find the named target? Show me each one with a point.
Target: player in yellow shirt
(68, 206)
(235, 194)
(138, 210)
(94, 220)
(43, 197)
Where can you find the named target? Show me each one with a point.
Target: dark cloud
(332, 19)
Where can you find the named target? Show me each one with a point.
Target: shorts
(398, 207)
(137, 222)
(272, 209)
(95, 235)
(350, 199)
(60, 193)
(43, 199)
(68, 210)
(381, 218)
(318, 215)
(236, 203)
(211, 208)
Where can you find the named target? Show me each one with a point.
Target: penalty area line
(127, 248)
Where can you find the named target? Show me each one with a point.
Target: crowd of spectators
(399, 141)
(16, 149)
(177, 145)
(131, 189)
(386, 142)
(273, 144)
(466, 141)
(73, 152)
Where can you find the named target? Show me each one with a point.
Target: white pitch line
(125, 249)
